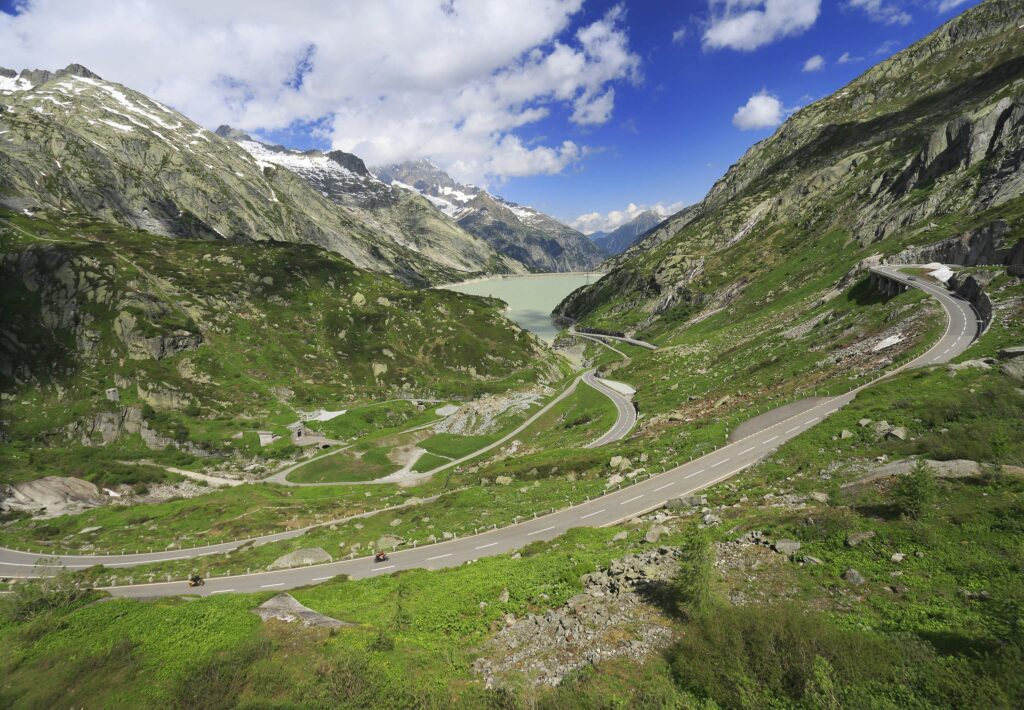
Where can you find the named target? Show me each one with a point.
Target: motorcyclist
(195, 581)
(380, 556)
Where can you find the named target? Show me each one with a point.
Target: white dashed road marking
(490, 544)
(590, 515)
(438, 557)
(538, 532)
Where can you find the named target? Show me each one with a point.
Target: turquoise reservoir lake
(530, 298)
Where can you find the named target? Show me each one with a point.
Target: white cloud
(598, 222)
(762, 110)
(389, 80)
(679, 35)
(847, 58)
(815, 63)
(888, 13)
(749, 24)
(947, 5)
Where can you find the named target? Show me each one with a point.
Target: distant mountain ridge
(623, 237)
(403, 215)
(71, 142)
(528, 235)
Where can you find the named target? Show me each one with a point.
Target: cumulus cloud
(888, 13)
(679, 35)
(389, 80)
(598, 222)
(947, 5)
(847, 58)
(749, 24)
(762, 110)
(815, 63)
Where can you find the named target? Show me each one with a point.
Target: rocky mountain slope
(403, 216)
(925, 146)
(523, 233)
(622, 238)
(71, 142)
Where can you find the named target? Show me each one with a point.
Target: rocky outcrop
(301, 557)
(51, 496)
(988, 245)
(972, 288)
(284, 607)
(611, 618)
(108, 426)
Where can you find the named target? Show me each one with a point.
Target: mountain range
(623, 237)
(71, 142)
(523, 233)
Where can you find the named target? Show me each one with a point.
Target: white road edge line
(275, 584)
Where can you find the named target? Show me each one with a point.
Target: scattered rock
(389, 542)
(1009, 353)
(846, 434)
(1014, 369)
(359, 299)
(710, 519)
(620, 536)
(284, 607)
(301, 557)
(819, 497)
(609, 619)
(503, 597)
(854, 539)
(978, 596)
(614, 480)
(808, 559)
(786, 547)
(898, 432)
(655, 532)
(503, 480)
(863, 423)
(897, 557)
(852, 576)
(395, 523)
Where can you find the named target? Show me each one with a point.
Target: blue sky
(586, 109)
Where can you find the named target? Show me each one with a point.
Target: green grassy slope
(206, 340)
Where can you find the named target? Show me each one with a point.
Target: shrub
(51, 593)
(915, 492)
(692, 583)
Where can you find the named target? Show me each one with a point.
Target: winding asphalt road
(963, 327)
(626, 419)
